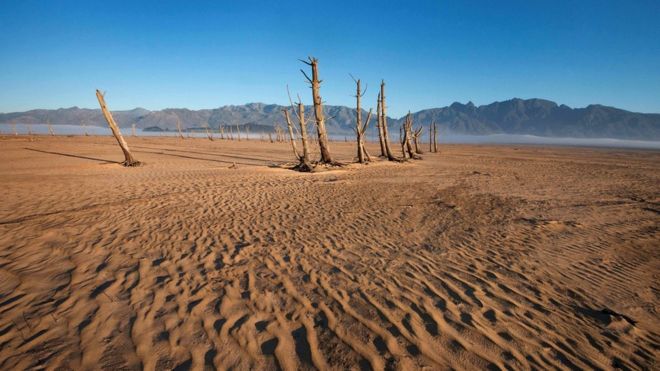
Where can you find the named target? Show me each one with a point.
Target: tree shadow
(75, 156)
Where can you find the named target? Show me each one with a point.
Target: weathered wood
(178, 127)
(129, 160)
(379, 124)
(292, 138)
(318, 110)
(386, 137)
(360, 129)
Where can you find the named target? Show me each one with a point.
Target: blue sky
(199, 54)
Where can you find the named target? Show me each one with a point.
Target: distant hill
(516, 116)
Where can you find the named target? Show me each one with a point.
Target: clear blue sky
(161, 54)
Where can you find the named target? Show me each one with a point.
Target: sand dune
(479, 257)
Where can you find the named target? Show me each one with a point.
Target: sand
(478, 257)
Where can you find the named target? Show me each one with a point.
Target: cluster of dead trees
(409, 136)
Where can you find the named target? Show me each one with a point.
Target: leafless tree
(383, 117)
(415, 136)
(318, 109)
(129, 160)
(178, 127)
(50, 128)
(360, 129)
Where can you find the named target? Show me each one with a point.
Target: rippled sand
(479, 257)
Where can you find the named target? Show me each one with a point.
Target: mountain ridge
(533, 116)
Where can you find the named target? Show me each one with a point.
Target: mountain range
(516, 116)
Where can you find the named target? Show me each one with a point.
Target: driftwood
(318, 110)
(129, 160)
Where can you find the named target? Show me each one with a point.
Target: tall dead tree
(50, 128)
(379, 124)
(292, 137)
(133, 130)
(178, 128)
(408, 136)
(431, 136)
(415, 136)
(129, 160)
(360, 129)
(435, 137)
(238, 132)
(318, 109)
(383, 116)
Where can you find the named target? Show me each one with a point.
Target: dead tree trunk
(402, 140)
(380, 128)
(128, 157)
(435, 138)
(360, 129)
(208, 133)
(318, 110)
(305, 164)
(292, 138)
(133, 130)
(50, 128)
(431, 137)
(178, 128)
(416, 134)
(238, 132)
(386, 137)
(408, 137)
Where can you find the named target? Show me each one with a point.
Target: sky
(207, 54)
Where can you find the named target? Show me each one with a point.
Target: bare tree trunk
(435, 138)
(208, 133)
(318, 110)
(431, 137)
(133, 130)
(386, 137)
(381, 141)
(128, 157)
(247, 132)
(178, 127)
(360, 129)
(402, 139)
(416, 135)
(13, 127)
(291, 136)
(50, 128)
(408, 136)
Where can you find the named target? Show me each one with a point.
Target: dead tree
(13, 127)
(222, 132)
(133, 130)
(383, 117)
(379, 124)
(292, 137)
(402, 140)
(415, 136)
(247, 132)
(178, 128)
(408, 136)
(431, 136)
(208, 133)
(318, 109)
(360, 129)
(50, 128)
(238, 132)
(435, 138)
(129, 160)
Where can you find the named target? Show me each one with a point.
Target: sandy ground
(479, 257)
